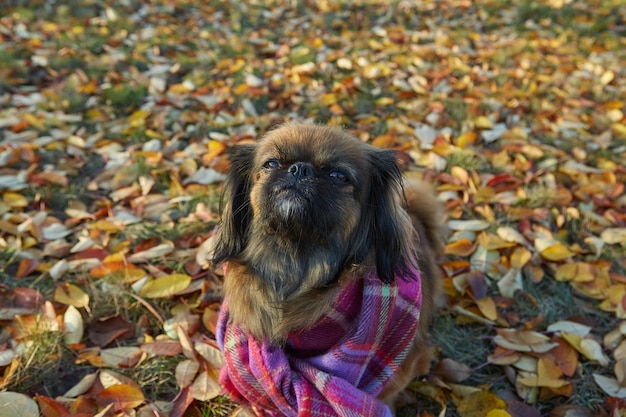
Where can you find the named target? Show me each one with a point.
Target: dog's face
(307, 185)
(306, 202)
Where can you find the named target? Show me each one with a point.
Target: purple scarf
(337, 367)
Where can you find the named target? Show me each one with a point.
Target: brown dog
(309, 210)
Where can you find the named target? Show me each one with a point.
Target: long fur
(291, 240)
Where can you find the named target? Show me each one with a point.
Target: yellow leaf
(520, 257)
(607, 77)
(460, 173)
(49, 27)
(498, 413)
(384, 101)
(619, 129)
(585, 272)
(165, 286)
(556, 252)
(70, 294)
(565, 272)
(481, 122)
(14, 200)
(493, 242)
(328, 99)
(466, 140)
(593, 351)
(138, 115)
(487, 306)
(480, 404)
(106, 226)
(179, 89)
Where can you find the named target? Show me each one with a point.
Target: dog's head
(307, 201)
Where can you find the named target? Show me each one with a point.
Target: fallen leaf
(123, 356)
(14, 404)
(124, 397)
(205, 387)
(610, 386)
(165, 286)
(154, 252)
(452, 371)
(49, 407)
(186, 372)
(74, 328)
(70, 294)
(480, 404)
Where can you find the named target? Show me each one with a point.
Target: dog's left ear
(389, 234)
(236, 212)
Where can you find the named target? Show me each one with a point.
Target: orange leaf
(50, 408)
(123, 396)
(461, 247)
(550, 373)
(27, 265)
(120, 271)
(384, 141)
(564, 356)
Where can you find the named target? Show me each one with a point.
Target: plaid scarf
(336, 368)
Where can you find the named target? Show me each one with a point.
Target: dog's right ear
(235, 205)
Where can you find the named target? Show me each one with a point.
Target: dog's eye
(339, 177)
(271, 164)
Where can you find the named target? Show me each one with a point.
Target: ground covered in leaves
(114, 126)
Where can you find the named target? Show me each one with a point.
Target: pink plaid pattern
(336, 368)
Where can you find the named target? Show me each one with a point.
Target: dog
(314, 219)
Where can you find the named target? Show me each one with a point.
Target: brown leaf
(570, 410)
(452, 371)
(182, 401)
(163, 347)
(105, 331)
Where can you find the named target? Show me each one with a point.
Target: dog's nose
(301, 169)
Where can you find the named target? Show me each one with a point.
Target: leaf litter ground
(114, 122)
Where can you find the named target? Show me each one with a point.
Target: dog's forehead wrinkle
(319, 148)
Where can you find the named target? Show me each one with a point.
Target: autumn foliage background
(115, 121)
